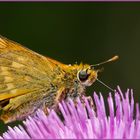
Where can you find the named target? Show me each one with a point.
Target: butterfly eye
(83, 75)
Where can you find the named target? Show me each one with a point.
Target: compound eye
(83, 75)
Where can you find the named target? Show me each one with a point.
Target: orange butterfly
(29, 81)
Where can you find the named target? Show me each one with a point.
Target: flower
(83, 121)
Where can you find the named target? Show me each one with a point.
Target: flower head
(84, 121)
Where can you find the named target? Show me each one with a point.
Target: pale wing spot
(13, 91)
(10, 86)
(21, 59)
(4, 71)
(27, 78)
(2, 47)
(16, 65)
(4, 68)
(2, 44)
(1, 40)
(8, 79)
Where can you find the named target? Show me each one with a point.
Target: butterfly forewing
(24, 74)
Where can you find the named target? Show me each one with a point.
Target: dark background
(75, 32)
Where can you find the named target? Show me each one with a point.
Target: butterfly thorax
(67, 79)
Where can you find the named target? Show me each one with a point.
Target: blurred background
(80, 32)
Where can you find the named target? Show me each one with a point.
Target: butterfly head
(87, 76)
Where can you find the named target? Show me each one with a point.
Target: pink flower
(84, 121)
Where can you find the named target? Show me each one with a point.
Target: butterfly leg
(75, 94)
(45, 109)
(90, 100)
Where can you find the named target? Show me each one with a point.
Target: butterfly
(30, 81)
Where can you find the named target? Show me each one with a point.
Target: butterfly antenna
(105, 84)
(104, 62)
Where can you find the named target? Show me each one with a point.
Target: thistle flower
(84, 121)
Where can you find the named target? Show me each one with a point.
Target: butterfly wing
(24, 75)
